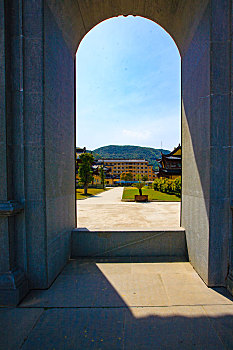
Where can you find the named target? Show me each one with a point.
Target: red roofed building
(170, 164)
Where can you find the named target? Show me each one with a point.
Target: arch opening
(129, 93)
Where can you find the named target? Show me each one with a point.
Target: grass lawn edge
(89, 195)
(162, 197)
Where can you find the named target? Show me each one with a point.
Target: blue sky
(128, 85)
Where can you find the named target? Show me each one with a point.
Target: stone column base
(230, 282)
(13, 287)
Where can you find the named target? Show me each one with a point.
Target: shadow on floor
(100, 305)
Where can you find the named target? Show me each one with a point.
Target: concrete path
(106, 212)
(123, 306)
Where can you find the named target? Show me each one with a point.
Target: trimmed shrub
(177, 183)
(168, 186)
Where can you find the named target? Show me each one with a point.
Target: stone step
(148, 243)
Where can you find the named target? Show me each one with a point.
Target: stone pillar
(230, 276)
(206, 144)
(220, 142)
(13, 283)
(37, 192)
(49, 144)
(34, 143)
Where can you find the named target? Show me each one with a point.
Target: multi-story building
(134, 166)
(109, 178)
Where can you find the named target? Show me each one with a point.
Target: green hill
(130, 152)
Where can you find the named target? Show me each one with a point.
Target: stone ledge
(130, 230)
(135, 243)
(10, 208)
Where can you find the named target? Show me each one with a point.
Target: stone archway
(38, 41)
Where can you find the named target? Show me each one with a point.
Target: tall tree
(140, 184)
(144, 178)
(85, 170)
(102, 177)
(127, 176)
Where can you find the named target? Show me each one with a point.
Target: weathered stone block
(35, 214)
(13, 288)
(58, 254)
(33, 18)
(220, 63)
(220, 172)
(218, 242)
(128, 244)
(17, 325)
(195, 219)
(33, 61)
(17, 63)
(33, 118)
(221, 20)
(220, 120)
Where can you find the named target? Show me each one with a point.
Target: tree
(102, 176)
(144, 178)
(85, 170)
(140, 184)
(127, 176)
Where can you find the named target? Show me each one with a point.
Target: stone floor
(102, 304)
(106, 211)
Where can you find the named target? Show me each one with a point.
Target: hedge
(168, 186)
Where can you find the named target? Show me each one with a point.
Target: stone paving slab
(180, 327)
(106, 211)
(121, 305)
(104, 284)
(78, 329)
(15, 325)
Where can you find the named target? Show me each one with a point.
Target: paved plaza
(106, 211)
(104, 304)
(131, 303)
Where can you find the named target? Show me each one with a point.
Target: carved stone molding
(13, 287)
(10, 208)
(11, 279)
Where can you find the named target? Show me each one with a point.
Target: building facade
(109, 178)
(134, 166)
(170, 164)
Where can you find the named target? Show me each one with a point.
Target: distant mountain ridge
(130, 152)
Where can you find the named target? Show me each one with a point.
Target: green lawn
(129, 193)
(90, 192)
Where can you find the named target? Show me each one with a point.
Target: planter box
(143, 198)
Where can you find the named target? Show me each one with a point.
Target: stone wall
(160, 244)
(196, 146)
(206, 145)
(38, 42)
(49, 144)
(59, 126)
(37, 142)
(230, 278)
